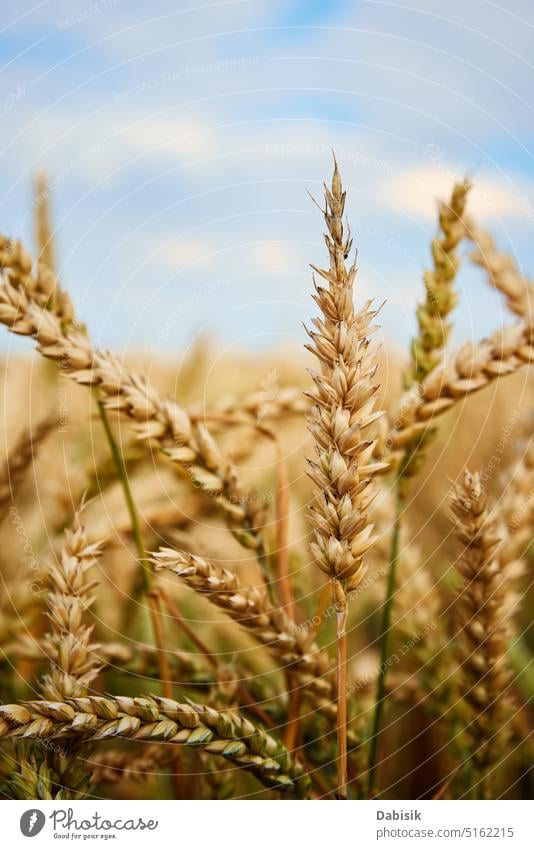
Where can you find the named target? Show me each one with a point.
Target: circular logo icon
(32, 822)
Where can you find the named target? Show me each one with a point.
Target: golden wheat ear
(483, 631)
(226, 734)
(441, 297)
(342, 409)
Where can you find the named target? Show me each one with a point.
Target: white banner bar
(267, 825)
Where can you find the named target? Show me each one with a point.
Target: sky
(182, 141)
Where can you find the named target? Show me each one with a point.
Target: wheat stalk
(226, 734)
(343, 401)
(483, 631)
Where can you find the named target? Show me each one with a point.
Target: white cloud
(271, 256)
(178, 138)
(415, 192)
(184, 253)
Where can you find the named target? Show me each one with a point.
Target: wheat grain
(226, 734)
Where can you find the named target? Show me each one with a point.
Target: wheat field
(303, 573)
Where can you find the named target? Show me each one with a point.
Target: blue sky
(181, 140)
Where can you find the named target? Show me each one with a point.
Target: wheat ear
(44, 238)
(516, 504)
(20, 459)
(163, 422)
(473, 368)
(441, 297)
(227, 734)
(68, 641)
(343, 400)
(111, 767)
(483, 632)
(39, 284)
(255, 406)
(503, 273)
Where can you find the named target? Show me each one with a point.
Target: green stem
(128, 497)
(385, 628)
(520, 658)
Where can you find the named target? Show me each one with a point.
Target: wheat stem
(341, 645)
(385, 634)
(122, 474)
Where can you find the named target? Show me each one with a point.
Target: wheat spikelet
(20, 459)
(68, 642)
(163, 422)
(226, 734)
(286, 401)
(482, 613)
(441, 297)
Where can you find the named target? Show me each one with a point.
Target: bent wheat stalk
(251, 608)
(226, 734)
(473, 368)
(160, 421)
(502, 273)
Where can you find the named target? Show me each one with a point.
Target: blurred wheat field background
(165, 630)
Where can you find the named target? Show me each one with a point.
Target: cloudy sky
(181, 139)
